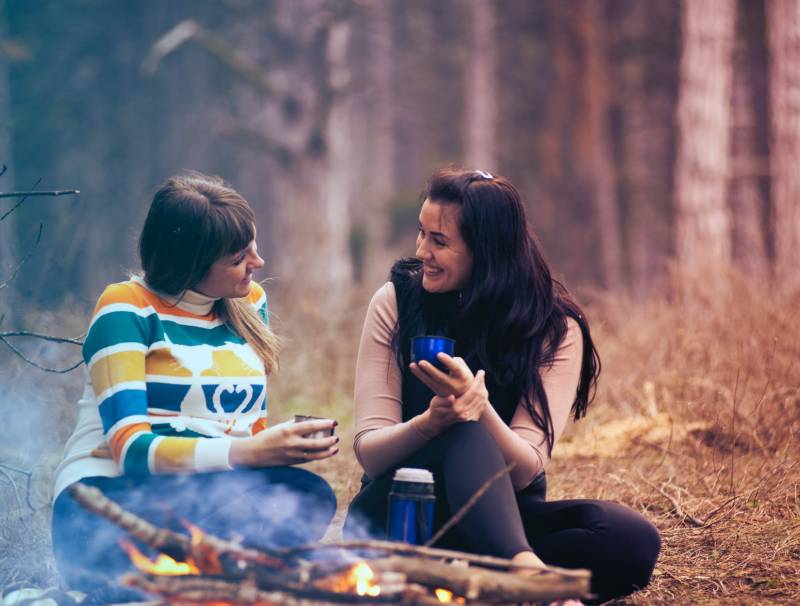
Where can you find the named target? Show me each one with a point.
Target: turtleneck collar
(192, 301)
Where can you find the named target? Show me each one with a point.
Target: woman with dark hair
(524, 362)
(173, 421)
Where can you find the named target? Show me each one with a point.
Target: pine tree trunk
(8, 236)
(481, 87)
(748, 141)
(646, 76)
(311, 215)
(340, 187)
(703, 237)
(380, 145)
(784, 46)
(603, 170)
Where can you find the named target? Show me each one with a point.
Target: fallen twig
(676, 506)
(188, 589)
(28, 483)
(429, 552)
(205, 551)
(469, 504)
(486, 586)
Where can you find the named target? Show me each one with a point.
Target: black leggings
(274, 506)
(615, 543)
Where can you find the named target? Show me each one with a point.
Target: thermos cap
(412, 474)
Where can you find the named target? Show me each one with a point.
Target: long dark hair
(511, 317)
(195, 219)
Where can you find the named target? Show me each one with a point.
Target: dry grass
(695, 424)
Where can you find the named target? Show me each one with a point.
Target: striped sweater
(168, 386)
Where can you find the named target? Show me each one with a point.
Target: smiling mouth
(431, 271)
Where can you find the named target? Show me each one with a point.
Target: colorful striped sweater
(168, 386)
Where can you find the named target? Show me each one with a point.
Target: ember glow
(446, 596)
(443, 595)
(365, 580)
(359, 578)
(163, 564)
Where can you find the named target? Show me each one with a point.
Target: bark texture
(703, 235)
(784, 48)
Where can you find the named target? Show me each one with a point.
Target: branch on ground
(4, 470)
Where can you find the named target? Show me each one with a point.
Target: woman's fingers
(325, 453)
(471, 405)
(317, 444)
(304, 456)
(457, 380)
(437, 387)
(312, 426)
(454, 365)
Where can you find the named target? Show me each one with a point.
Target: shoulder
(572, 343)
(124, 294)
(384, 304)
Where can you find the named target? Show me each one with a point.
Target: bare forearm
(529, 461)
(380, 449)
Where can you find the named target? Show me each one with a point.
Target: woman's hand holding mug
(285, 444)
(455, 382)
(445, 411)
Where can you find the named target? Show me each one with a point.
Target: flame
(163, 564)
(194, 532)
(205, 557)
(443, 595)
(365, 580)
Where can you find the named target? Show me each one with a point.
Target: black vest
(434, 314)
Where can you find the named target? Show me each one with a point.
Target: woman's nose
(422, 251)
(257, 261)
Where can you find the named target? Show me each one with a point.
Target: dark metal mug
(426, 347)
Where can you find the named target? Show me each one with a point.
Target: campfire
(200, 568)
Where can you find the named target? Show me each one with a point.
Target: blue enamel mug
(427, 346)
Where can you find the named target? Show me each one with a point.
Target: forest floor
(696, 424)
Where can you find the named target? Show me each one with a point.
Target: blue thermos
(411, 505)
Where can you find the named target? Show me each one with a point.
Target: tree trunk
(312, 220)
(784, 47)
(8, 237)
(646, 77)
(748, 141)
(371, 228)
(481, 87)
(339, 186)
(702, 168)
(603, 177)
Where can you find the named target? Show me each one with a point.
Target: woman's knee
(470, 435)
(631, 545)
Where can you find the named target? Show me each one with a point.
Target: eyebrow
(435, 233)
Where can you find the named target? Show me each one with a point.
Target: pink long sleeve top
(383, 439)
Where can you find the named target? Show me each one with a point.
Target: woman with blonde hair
(173, 420)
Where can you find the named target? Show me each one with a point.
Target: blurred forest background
(655, 143)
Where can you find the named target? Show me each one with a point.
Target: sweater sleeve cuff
(211, 454)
